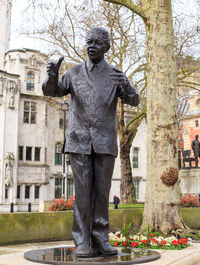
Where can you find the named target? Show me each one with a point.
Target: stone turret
(5, 29)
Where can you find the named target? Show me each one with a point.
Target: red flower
(175, 243)
(116, 244)
(145, 241)
(183, 241)
(125, 244)
(163, 242)
(134, 244)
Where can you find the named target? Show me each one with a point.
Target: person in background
(116, 201)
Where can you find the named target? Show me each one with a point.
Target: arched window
(30, 81)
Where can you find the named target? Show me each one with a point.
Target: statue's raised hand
(53, 68)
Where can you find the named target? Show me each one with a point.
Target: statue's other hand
(119, 77)
(53, 68)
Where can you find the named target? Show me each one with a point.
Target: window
(30, 78)
(46, 115)
(58, 188)
(29, 112)
(58, 154)
(18, 191)
(6, 193)
(29, 153)
(20, 153)
(135, 157)
(37, 153)
(37, 192)
(197, 123)
(61, 123)
(70, 188)
(136, 186)
(45, 155)
(179, 159)
(61, 120)
(27, 192)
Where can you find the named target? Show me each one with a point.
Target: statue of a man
(91, 141)
(9, 173)
(196, 149)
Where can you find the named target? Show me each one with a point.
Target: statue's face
(96, 46)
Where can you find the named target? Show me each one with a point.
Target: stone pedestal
(190, 181)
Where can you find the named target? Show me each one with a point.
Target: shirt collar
(100, 65)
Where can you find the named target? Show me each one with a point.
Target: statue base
(66, 255)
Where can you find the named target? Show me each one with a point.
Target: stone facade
(30, 127)
(5, 22)
(31, 132)
(138, 163)
(190, 181)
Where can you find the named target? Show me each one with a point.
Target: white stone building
(31, 132)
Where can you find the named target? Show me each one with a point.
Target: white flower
(113, 237)
(136, 237)
(143, 237)
(190, 241)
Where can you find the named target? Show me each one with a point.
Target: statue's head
(97, 43)
(197, 136)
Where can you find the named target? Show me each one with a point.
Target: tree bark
(162, 202)
(127, 191)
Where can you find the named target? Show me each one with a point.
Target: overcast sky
(18, 40)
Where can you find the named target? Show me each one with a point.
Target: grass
(138, 205)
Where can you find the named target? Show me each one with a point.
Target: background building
(31, 132)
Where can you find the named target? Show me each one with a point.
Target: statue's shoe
(103, 248)
(82, 251)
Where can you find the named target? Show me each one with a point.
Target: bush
(62, 204)
(190, 201)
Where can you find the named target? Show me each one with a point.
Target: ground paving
(14, 254)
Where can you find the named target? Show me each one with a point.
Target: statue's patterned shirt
(93, 106)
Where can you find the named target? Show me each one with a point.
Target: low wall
(49, 226)
(191, 217)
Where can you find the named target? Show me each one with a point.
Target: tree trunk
(162, 202)
(127, 191)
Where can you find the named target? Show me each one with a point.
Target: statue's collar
(100, 65)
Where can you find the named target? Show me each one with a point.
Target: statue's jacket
(93, 106)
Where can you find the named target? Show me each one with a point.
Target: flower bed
(151, 242)
(190, 201)
(62, 204)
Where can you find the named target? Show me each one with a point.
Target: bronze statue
(91, 141)
(196, 149)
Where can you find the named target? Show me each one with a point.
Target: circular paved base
(66, 255)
